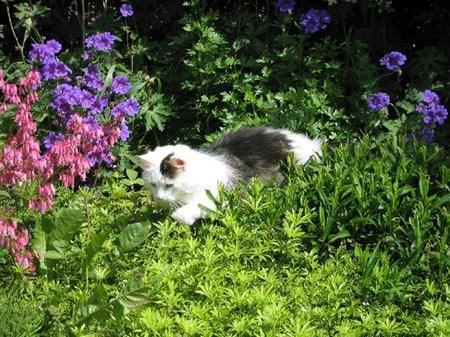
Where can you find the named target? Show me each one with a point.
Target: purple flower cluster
(45, 53)
(312, 21)
(393, 60)
(378, 101)
(433, 112)
(315, 20)
(285, 6)
(78, 100)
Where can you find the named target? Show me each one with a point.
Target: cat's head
(163, 171)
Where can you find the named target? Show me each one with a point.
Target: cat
(179, 177)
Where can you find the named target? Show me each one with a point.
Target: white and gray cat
(179, 176)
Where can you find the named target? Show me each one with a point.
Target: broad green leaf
(135, 295)
(68, 222)
(95, 245)
(133, 235)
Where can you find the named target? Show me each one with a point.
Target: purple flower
(40, 52)
(86, 55)
(73, 96)
(55, 69)
(425, 135)
(87, 99)
(437, 114)
(92, 78)
(98, 155)
(44, 52)
(432, 111)
(51, 139)
(378, 101)
(429, 97)
(49, 71)
(100, 41)
(130, 107)
(99, 105)
(393, 60)
(92, 71)
(315, 20)
(53, 46)
(126, 10)
(124, 132)
(61, 96)
(92, 123)
(120, 85)
(285, 6)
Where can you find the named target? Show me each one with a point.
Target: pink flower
(25, 260)
(21, 239)
(3, 228)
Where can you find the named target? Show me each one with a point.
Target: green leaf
(95, 245)
(131, 174)
(67, 223)
(133, 235)
(4, 194)
(39, 244)
(405, 105)
(135, 295)
(108, 79)
(343, 234)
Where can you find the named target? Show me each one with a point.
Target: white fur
(304, 147)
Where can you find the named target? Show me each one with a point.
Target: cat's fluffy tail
(303, 147)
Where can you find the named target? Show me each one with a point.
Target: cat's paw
(185, 215)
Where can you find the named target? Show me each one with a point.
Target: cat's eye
(169, 185)
(153, 185)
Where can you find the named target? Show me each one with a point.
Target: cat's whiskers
(174, 204)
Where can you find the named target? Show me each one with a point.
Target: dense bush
(356, 244)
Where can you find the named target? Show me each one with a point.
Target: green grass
(356, 245)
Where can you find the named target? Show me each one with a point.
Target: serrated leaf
(68, 221)
(133, 235)
(135, 295)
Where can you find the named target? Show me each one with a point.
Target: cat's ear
(178, 163)
(145, 162)
(172, 165)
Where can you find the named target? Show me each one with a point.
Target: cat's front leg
(191, 212)
(187, 214)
